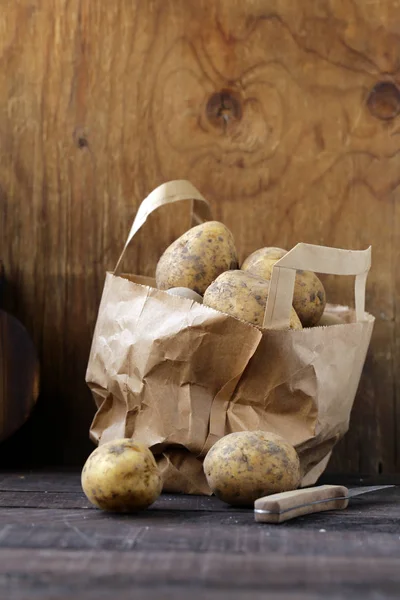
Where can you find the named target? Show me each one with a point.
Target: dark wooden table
(54, 545)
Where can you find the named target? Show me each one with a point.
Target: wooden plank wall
(282, 112)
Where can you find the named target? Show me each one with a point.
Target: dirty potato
(256, 260)
(121, 476)
(309, 293)
(309, 298)
(197, 258)
(244, 466)
(243, 296)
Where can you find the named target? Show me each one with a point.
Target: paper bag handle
(320, 259)
(168, 193)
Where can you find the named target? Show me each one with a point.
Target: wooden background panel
(282, 113)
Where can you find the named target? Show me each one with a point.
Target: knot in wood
(384, 101)
(223, 108)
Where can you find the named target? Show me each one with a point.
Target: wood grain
(53, 545)
(72, 571)
(284, 115)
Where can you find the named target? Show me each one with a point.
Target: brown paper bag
(178, 375)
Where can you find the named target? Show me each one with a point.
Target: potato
(244, 466)
(257, 258)
(243, 296)
(309, 294)
(185, 293)
(328, 319)
(197, 258)
(121, 476)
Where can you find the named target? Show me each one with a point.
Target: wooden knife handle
(278, 508)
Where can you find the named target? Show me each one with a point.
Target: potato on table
(122, 476)
(244, 296)
(196, 258)
(309, 294)
(247, 465)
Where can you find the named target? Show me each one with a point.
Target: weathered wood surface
(283, 113)
(53, 544)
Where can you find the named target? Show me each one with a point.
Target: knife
(284, 506)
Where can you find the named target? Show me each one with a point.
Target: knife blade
(284, 506)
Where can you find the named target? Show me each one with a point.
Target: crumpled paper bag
(178, 375)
